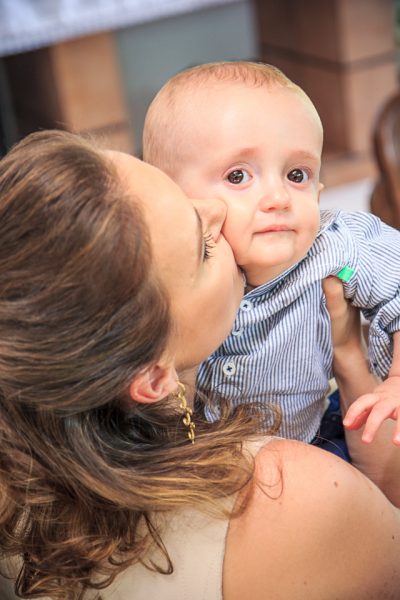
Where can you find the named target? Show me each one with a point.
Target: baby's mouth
(274, 229)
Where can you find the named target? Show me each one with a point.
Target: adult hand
(380, 459)
(345, 319)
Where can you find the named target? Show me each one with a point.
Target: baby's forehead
(212, 91)
(194, 116)
(215, 96)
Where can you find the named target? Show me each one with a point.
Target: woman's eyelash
(208, 245)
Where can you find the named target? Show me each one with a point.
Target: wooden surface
(75, 85)
(385, 201)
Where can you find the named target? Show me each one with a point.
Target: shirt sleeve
(375, 285)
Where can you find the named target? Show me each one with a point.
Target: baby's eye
(238, 176)
(209, 244)
(298, 175)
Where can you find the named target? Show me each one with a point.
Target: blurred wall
(151, 53)
(101, 83)
(342, 52)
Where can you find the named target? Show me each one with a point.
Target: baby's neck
(249, 287)
(259, 280)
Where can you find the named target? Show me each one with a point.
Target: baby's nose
(275, 198)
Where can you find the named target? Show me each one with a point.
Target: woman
(112, 283)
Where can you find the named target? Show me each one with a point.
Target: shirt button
(246, 305)
(237, 331)
(229, 369)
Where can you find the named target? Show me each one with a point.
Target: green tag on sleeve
(345, 274)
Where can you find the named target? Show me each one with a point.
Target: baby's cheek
(241, 257)
(234, 236)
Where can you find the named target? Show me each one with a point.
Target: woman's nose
(212, 214)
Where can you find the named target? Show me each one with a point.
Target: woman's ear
(153, 384)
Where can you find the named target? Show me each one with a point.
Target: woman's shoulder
(283, 456)
(306, 531)
(281, 464)
(292, 478)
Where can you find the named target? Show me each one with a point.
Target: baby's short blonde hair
(162, 135)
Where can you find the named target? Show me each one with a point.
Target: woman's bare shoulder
(314, 527)
(298, 462)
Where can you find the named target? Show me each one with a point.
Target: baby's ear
(153, 384)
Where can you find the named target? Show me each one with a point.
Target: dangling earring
(187, 411)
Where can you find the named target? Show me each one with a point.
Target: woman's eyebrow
(200, 236)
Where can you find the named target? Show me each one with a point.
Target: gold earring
(187, 411)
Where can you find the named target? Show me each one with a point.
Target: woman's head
(81, 309)
(103, 284)
(103, 274)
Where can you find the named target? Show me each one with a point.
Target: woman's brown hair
(81, 312)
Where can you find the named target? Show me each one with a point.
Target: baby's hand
(373, 409)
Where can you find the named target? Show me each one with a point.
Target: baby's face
(259, 150)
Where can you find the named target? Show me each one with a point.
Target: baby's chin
(260, 275)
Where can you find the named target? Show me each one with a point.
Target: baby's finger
(358, 421)
(362, 404)
(379, 413)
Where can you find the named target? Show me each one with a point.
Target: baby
(245, 133)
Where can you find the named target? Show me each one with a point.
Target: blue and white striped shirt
(280, 348)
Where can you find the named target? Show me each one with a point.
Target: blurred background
(93, 66)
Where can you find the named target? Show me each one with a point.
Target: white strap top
(196, 545)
